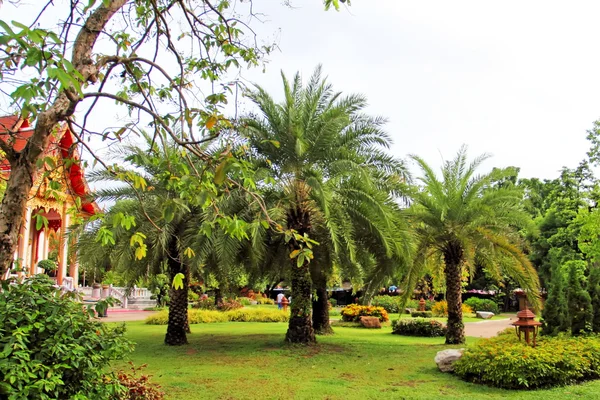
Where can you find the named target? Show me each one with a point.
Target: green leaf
(178, 281)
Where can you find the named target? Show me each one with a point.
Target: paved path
(127, 315)
(488, 329)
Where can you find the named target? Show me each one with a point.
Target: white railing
(120, 294)
(123, 294)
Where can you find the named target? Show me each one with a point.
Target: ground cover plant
(246, 314)
(251, 361)
(506, 362)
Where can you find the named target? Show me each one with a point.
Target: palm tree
(327, 175)
(462, 221)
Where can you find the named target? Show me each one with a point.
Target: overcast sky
(515, 79)
(519, 80)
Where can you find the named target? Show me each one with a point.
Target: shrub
(47, 265)
(579, 302)
(265, 300)
(506, 362)
(391, 304)
(478, 304)
(421, 314)
(193, 296)
(211, 316)
(418, 327)
(415, 304)
(353, 312)
(230, 304)
(52, 349)
(138, 387)
(333, 302)
(440, 309)
(245, 301)
(207, 303)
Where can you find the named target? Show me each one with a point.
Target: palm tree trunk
(178, 305)
(218, 298)
(320, 307)
(300, 328)
(453, 258)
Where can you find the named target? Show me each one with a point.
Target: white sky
(518, 80)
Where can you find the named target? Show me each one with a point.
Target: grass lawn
(250, 361)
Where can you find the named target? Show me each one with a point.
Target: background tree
(160, 56)
(328, 174)
(578, 299)
(555, 313)
(460, 221)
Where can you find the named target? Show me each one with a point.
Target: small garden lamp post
(528, 325)
(422, 304)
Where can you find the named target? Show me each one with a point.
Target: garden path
(487, 329)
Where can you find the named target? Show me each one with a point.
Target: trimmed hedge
(507, 363)
(418, 327)
(211, 316)
(478, 304)
(421, 314)
(353, 312)
(393, 304)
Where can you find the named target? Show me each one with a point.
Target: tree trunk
(178, 306)
(320, 304)
(218, 298)
(23, 163)
(300, 329)
(453, 258)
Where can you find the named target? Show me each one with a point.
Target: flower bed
(353, 312)
(211, 316)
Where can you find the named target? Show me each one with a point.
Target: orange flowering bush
(353, 312)
(506, 362)
(440, 309)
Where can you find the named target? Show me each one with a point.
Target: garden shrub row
(210, 316)
(421, 314)
(505, 362)
(353, 312)
(418, 327)
(478, 304)
(393, 304)
(440, 309)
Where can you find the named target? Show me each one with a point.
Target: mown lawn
(250, 361)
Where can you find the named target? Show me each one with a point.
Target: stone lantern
(528, 325)
(422, 304)
(284, 303)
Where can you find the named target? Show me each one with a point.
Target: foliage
(579, 303)
(353, 312)
(159, 286)
(418, 327)
(229, 304)
(421, 314)
(391, 304)
(555, 313)
(244, 301)
(238, 315)
(440, 309)
(506, 362)
(138, 387)
(333, 303)
(206, 303)
(594, 291)
(414, 304)
(265, 300)
(478, 304)
(47, 265)
(51, 347)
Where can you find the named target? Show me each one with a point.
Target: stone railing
(122, 294)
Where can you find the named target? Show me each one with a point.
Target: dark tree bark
(320, 306)
(300, 329)
(23, 163)
(453, 259)
(178, 306)
(218, 298)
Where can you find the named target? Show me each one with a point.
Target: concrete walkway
(487, 329)
(126, 315)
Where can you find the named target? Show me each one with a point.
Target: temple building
(60, 194)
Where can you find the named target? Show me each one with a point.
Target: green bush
(415, 304)
(245, 301)
(478, 304)
(333, 302)
(265, 300)
(506, 362)
(418, 327)
(421, 314)
(391, 304)
(210, 316)
(353, 312)
(207, 303)
(51, 348)
(47, 265)
(230, 304)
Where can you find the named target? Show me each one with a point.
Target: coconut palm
(462, 220)
(328, 174)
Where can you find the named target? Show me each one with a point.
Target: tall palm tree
(328, 170)
(462, 220)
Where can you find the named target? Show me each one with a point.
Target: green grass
(250, 361)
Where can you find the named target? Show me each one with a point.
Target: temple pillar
(63, 249)
(74, 272)
(40, 247)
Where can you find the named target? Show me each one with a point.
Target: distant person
(280, 297)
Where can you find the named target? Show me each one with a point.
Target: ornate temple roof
(62, 143)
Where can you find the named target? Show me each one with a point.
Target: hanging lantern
(527, 325)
